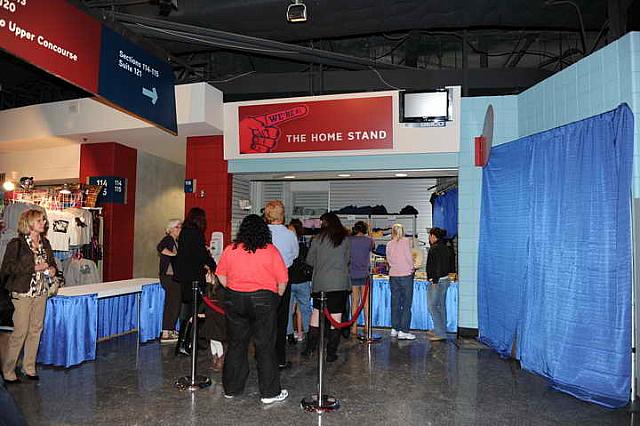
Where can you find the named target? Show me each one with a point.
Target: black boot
(332, 345)
(312, 341)
(183, 346)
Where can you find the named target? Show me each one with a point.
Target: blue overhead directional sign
(137, 81)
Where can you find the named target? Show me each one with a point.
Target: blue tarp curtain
(152, 308)
(445, 212)
(69, 334)
(554, 266)
(420, 316)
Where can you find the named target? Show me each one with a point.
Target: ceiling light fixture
(401, 175)
(8, 185)
(297, 12)
(288, 177)
(344, 175)
(165, 7)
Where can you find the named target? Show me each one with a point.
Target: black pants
(251, 315)
(283, 322)
(172, 301)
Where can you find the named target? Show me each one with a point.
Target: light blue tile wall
(594, 85)
(470, 191)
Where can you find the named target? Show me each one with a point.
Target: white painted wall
(198, 109)
(406, 140)
(53, 164)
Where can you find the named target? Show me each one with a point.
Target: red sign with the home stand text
(331, 125)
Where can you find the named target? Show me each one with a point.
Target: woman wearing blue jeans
(300, 282)
(439, 264)
(401, 282)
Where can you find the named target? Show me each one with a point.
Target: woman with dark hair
(361, 248)
(255, 276)
(191, 264)
(300, 284)
(329, 254)
(439, 264)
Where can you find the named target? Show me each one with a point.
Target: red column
(113, 159)
(206, 164)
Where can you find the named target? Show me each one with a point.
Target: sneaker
(168, 339)
(406, 336)
(435, 338)
(228, 396)
(278, 398)
(394, 332)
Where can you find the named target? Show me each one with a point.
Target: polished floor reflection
(391, 383)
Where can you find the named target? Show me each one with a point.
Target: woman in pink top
(401, 282)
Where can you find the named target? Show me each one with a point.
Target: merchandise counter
(78, 317)
(420, 317)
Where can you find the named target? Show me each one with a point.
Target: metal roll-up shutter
(310, 203)
(393, 194)
(241, 190)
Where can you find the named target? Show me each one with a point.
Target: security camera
(297, 12)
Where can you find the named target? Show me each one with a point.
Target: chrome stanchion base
(201, 382)
(375, 338)
(329, 403)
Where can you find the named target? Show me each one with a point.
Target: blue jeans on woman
(300, 294)
(437, 296)
(401, 301)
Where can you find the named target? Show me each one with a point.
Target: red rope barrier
(213, 305)
(349, 323)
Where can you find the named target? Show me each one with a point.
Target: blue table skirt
(73, 325)
(420, 316)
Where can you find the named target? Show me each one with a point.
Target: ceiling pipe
(164, 29)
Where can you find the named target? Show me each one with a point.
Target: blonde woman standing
(401, 282)
(26, 264)
(167, 250)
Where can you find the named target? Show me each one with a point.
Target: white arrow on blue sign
(152, 94)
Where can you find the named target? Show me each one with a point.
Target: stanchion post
(370, 337)
(320, 403)
(194, 382)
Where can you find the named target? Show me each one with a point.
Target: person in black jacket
(191, 264)
(438, 268)
(27, 268)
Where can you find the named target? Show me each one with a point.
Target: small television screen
(424, 107)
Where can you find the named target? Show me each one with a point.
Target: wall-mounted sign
(66, 42)
(114, 189)
(331, 125)
(189, 186)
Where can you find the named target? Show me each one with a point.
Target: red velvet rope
(349, 323)
(213, 305)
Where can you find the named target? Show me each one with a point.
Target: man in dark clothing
(438, 268)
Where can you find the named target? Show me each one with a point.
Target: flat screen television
(424, 107)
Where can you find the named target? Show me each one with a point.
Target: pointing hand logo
(260, 133)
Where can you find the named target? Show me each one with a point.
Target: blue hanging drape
(445, 212)
(554, 267)
(69, 334)
(152, 308)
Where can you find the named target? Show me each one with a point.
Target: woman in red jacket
(255, 276)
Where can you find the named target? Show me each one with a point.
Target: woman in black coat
(191, 264)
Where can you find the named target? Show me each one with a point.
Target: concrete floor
(392, 383)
